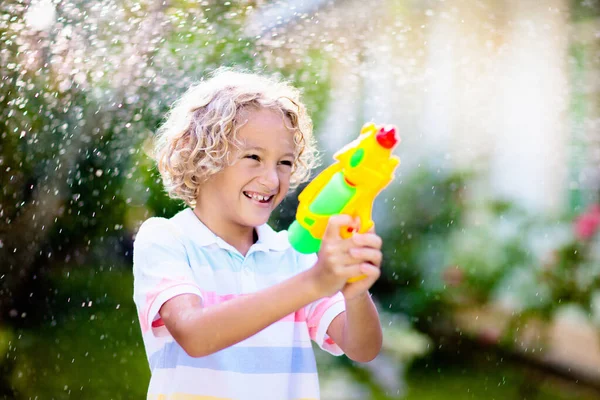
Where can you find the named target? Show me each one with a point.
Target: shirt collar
(271, 240)
(268, 239)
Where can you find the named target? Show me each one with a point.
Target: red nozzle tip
(386, 137)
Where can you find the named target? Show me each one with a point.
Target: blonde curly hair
(201, 129)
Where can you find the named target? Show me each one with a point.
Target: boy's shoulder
(158, 227)
(153, 223)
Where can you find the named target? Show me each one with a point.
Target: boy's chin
(255, 216)
(256, 220)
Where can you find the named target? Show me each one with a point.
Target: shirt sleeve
(161, 271)
(320, 313)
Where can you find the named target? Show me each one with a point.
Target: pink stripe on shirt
(212, 298)
(164, 284)
(315, 317)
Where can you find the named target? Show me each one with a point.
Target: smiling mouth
(258, 197)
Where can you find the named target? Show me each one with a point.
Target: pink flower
(489, 336)
(453, 275)
(587, 224)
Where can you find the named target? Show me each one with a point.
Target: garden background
(491, 245)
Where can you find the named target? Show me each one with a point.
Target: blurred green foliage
(427, 206)
(91, 348)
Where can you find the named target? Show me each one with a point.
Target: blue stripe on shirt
(247, 360)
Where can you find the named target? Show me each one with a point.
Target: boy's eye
(253, 157)
(287, 162)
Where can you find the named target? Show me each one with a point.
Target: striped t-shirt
(181, 255)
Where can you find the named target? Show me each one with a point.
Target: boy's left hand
(366, 250)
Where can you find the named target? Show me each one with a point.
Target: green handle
(331, 200)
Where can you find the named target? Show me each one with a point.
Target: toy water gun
(349, 186)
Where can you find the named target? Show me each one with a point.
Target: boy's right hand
(335, 265)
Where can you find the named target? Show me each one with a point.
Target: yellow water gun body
(349, 186)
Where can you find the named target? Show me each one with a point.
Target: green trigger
(357, 157)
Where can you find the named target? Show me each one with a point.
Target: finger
(337, 251)
(351, 271)
(368, 275)
(335, 224)
(346, 259)
(370, 271)
(341, 249)
(366, 254)
(367, 240)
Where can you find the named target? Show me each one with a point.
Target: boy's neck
(242, 238)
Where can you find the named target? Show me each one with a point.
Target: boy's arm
(357, 330)
(202, 331)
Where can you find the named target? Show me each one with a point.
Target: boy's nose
(270, 179)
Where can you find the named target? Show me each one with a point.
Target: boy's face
(246, 192)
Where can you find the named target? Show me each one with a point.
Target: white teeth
(258, 197)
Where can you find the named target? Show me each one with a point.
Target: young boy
(227, 307)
